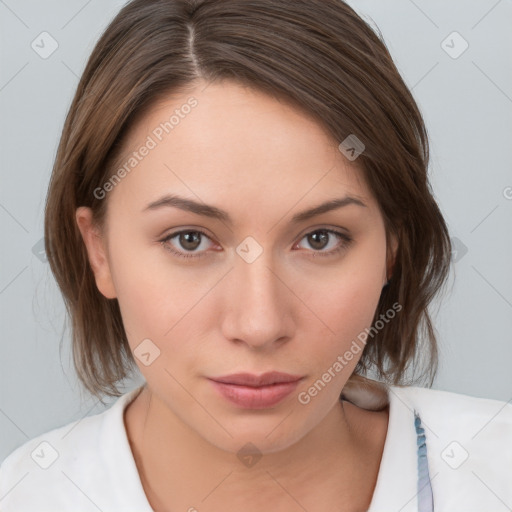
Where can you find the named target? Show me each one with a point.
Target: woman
(240, 206)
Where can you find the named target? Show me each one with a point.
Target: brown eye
(187, 241)
(319, 239)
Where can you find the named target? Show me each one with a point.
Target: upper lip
(249, 379)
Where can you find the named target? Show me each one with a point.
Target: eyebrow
(172, 200)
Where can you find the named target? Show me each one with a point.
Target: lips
(248, 391)
(248, 379)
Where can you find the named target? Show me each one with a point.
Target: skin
(291, 309)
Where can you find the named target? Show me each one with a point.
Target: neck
(336, 462)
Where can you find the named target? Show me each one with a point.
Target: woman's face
(251, 285)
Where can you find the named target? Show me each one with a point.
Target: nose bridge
(257, 310)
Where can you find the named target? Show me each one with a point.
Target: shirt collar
(397, 481)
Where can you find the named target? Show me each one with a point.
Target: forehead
(225, 136)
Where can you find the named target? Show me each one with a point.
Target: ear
(96, 251)
(392, 247)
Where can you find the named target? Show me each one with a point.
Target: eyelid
(183, 254)
(324, 227)
(346, 240)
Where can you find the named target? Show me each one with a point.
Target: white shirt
(88, 466)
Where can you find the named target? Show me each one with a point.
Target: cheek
(144, 288)
(159, 301)
(355, 304)
(347, 300)
(346, 303)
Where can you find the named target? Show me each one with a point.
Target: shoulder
(479, 422)
(469, 446)
(64, 467)
(30, 475)
(457, 411)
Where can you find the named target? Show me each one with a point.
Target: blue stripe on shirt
(425, 498)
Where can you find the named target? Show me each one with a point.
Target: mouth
(249, 379)
(249, 391)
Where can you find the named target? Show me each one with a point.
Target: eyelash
(347, 242)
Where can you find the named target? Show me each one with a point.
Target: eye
(189, 240)
(321, 238)
(192, 246)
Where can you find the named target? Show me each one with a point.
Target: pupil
(190, 240)
(318, 239)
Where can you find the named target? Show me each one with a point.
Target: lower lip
(255, 398)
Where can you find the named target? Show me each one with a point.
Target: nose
(258, 308)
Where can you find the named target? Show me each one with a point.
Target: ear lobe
(96, 251)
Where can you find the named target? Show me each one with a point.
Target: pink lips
(256, 392)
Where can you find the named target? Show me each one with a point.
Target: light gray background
(467, 105)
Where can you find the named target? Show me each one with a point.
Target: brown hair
(321, 57)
